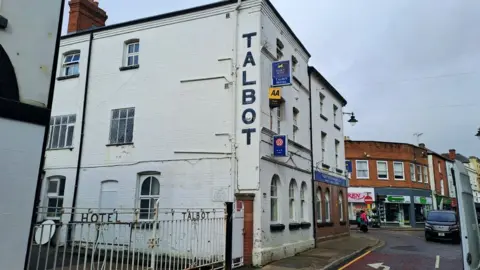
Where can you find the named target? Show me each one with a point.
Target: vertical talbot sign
(248, 93)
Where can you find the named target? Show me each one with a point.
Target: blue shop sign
(280, 143)
(330, 179)
(281, 73)
(348, 165)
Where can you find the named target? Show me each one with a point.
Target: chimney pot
(84, 14)
(452, 154)
(422, 145)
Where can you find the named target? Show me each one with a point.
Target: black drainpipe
(311, 158)
(80, 146)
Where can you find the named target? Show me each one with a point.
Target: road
(409, 251)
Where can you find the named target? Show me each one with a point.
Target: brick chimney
(452, 154)
(85, 14)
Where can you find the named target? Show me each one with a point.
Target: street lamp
(353, 120)
(478, 134)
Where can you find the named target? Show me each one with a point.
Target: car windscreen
(441, 217)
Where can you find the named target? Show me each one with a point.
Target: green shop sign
(398, 199)
(422, 200)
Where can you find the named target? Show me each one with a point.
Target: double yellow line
(355, 260)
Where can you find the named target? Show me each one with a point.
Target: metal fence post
(228, 235)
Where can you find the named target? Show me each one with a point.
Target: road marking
(437, 262)
(355, 260)
(378, 265)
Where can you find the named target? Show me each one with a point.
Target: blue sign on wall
(348, 165)
(281, 73)
(330, 179)
(280, 143)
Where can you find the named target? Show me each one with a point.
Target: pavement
(327, 255)
(408, 250)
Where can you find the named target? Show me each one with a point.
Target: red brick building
(399, 176)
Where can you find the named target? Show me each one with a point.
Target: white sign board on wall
(29, 38)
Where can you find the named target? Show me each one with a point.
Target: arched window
(148, 196)
(274, 198)
(71, 63)
(292, 191)
(340, 205)
(303, 202)
(327, 206)
(318, 206)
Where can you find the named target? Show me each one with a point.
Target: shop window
(340, 205)
(327, 206)
(274, 198)
(292, 191)
(318, 206)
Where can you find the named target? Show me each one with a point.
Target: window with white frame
(382, 170)
(54, 196)
(318, 205)
(323, 143)
(335, 112)
(340, 205)
(61, 131)
(303, 202)
(398, 170)
(419, 173)
(439, 167)
(322, 99)
(442, 188)
(279, 118)
(337, 154)
(425, 174)
(148, 194)
(121, 126)
(295, 122)
(132, 51)
(412, 172)
(328, 212)
(292, 190)
(362, 169)
(274, 199)
(71, 64)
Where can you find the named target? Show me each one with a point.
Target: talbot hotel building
(395, 175)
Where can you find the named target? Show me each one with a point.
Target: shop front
(403, 207)
(356, 201)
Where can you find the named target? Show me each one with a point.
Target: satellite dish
(45, 232)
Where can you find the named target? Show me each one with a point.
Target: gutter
(82, 135)
(311, 158)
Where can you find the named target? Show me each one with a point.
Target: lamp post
(352, 119)
(478, 134)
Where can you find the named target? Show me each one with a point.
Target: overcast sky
(404, 66)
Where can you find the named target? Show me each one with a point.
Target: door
(109, 231)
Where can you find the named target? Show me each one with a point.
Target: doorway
(108, 204)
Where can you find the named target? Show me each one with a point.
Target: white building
(451, 186)
(175, 107)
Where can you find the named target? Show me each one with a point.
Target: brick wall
(440, 175)
(389, 152)
(327, 230)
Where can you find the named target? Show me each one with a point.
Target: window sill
(119, 144)
(383, 179)
(277, 227)
(363, 178)
(323, 117)
(62, 78)
(129, 67)
(325, 166)
(337, 127)
(293, 226)
(343, 223)
(57, 149)
(399, 179)
(305, 225)
(324, 224)
(339, 171)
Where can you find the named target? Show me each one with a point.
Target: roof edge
(314, 71)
